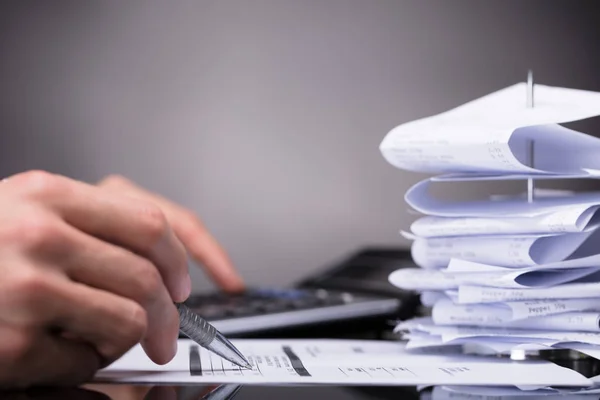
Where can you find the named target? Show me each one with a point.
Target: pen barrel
(195, 327)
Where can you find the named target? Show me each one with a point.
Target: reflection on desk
(239, 392)
(223, 392)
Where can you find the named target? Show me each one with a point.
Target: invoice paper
(423, 279)
(497, 134)
(506, 250)
(419, 198)
(567, 219)
(516, 310)
(507, 393)
(335, 362)
(446, 312)
(457, 334)
(470, 294)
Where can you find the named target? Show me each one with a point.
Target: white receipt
(576, 218)
(430, 297)
(418, 198)
(458, 265)
(445, 312)
(540, 308)
(436, 280)
(469, 294)
(508, 393)
(495, 133)
(334, 362)
(452, 334)
(478, 345)
(508, 251)
(425, 337)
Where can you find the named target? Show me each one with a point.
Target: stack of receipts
(504, 272)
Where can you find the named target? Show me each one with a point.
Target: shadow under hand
(54, 394)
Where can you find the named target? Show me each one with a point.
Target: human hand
(199, 243)
(86, 274)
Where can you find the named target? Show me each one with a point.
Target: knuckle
(155, 224)
(138, 323)
(37, 232)
(40, 183)
(150, 282)
(28, 293)
(114, 179)
(29, 289)
(129, 334)
(16, 347)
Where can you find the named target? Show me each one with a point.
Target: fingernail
(186, 288)
(174, 349)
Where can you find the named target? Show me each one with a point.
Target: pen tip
(248, 366)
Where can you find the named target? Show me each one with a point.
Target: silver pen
(207, 336)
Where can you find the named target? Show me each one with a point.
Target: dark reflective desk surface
(239, 392)
(224, 392)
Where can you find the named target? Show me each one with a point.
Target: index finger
(202, 246)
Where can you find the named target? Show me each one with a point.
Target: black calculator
(353, 293)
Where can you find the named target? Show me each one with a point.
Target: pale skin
(88, 271)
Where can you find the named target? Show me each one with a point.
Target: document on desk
(344, 362)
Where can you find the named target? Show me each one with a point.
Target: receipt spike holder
(530, 149)
(575, 360)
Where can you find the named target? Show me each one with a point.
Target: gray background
(265, 117)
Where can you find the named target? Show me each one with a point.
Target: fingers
(125, 274)
(73, 361)
(120, 275)
(204, 248)
(199, 242)
(135, 224)
(112, 324)
(44, 359)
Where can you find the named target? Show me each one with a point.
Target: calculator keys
(264, 301)
(272, 307)
(279, 293)
(243, 311)
(347, 298)
(304, 303)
